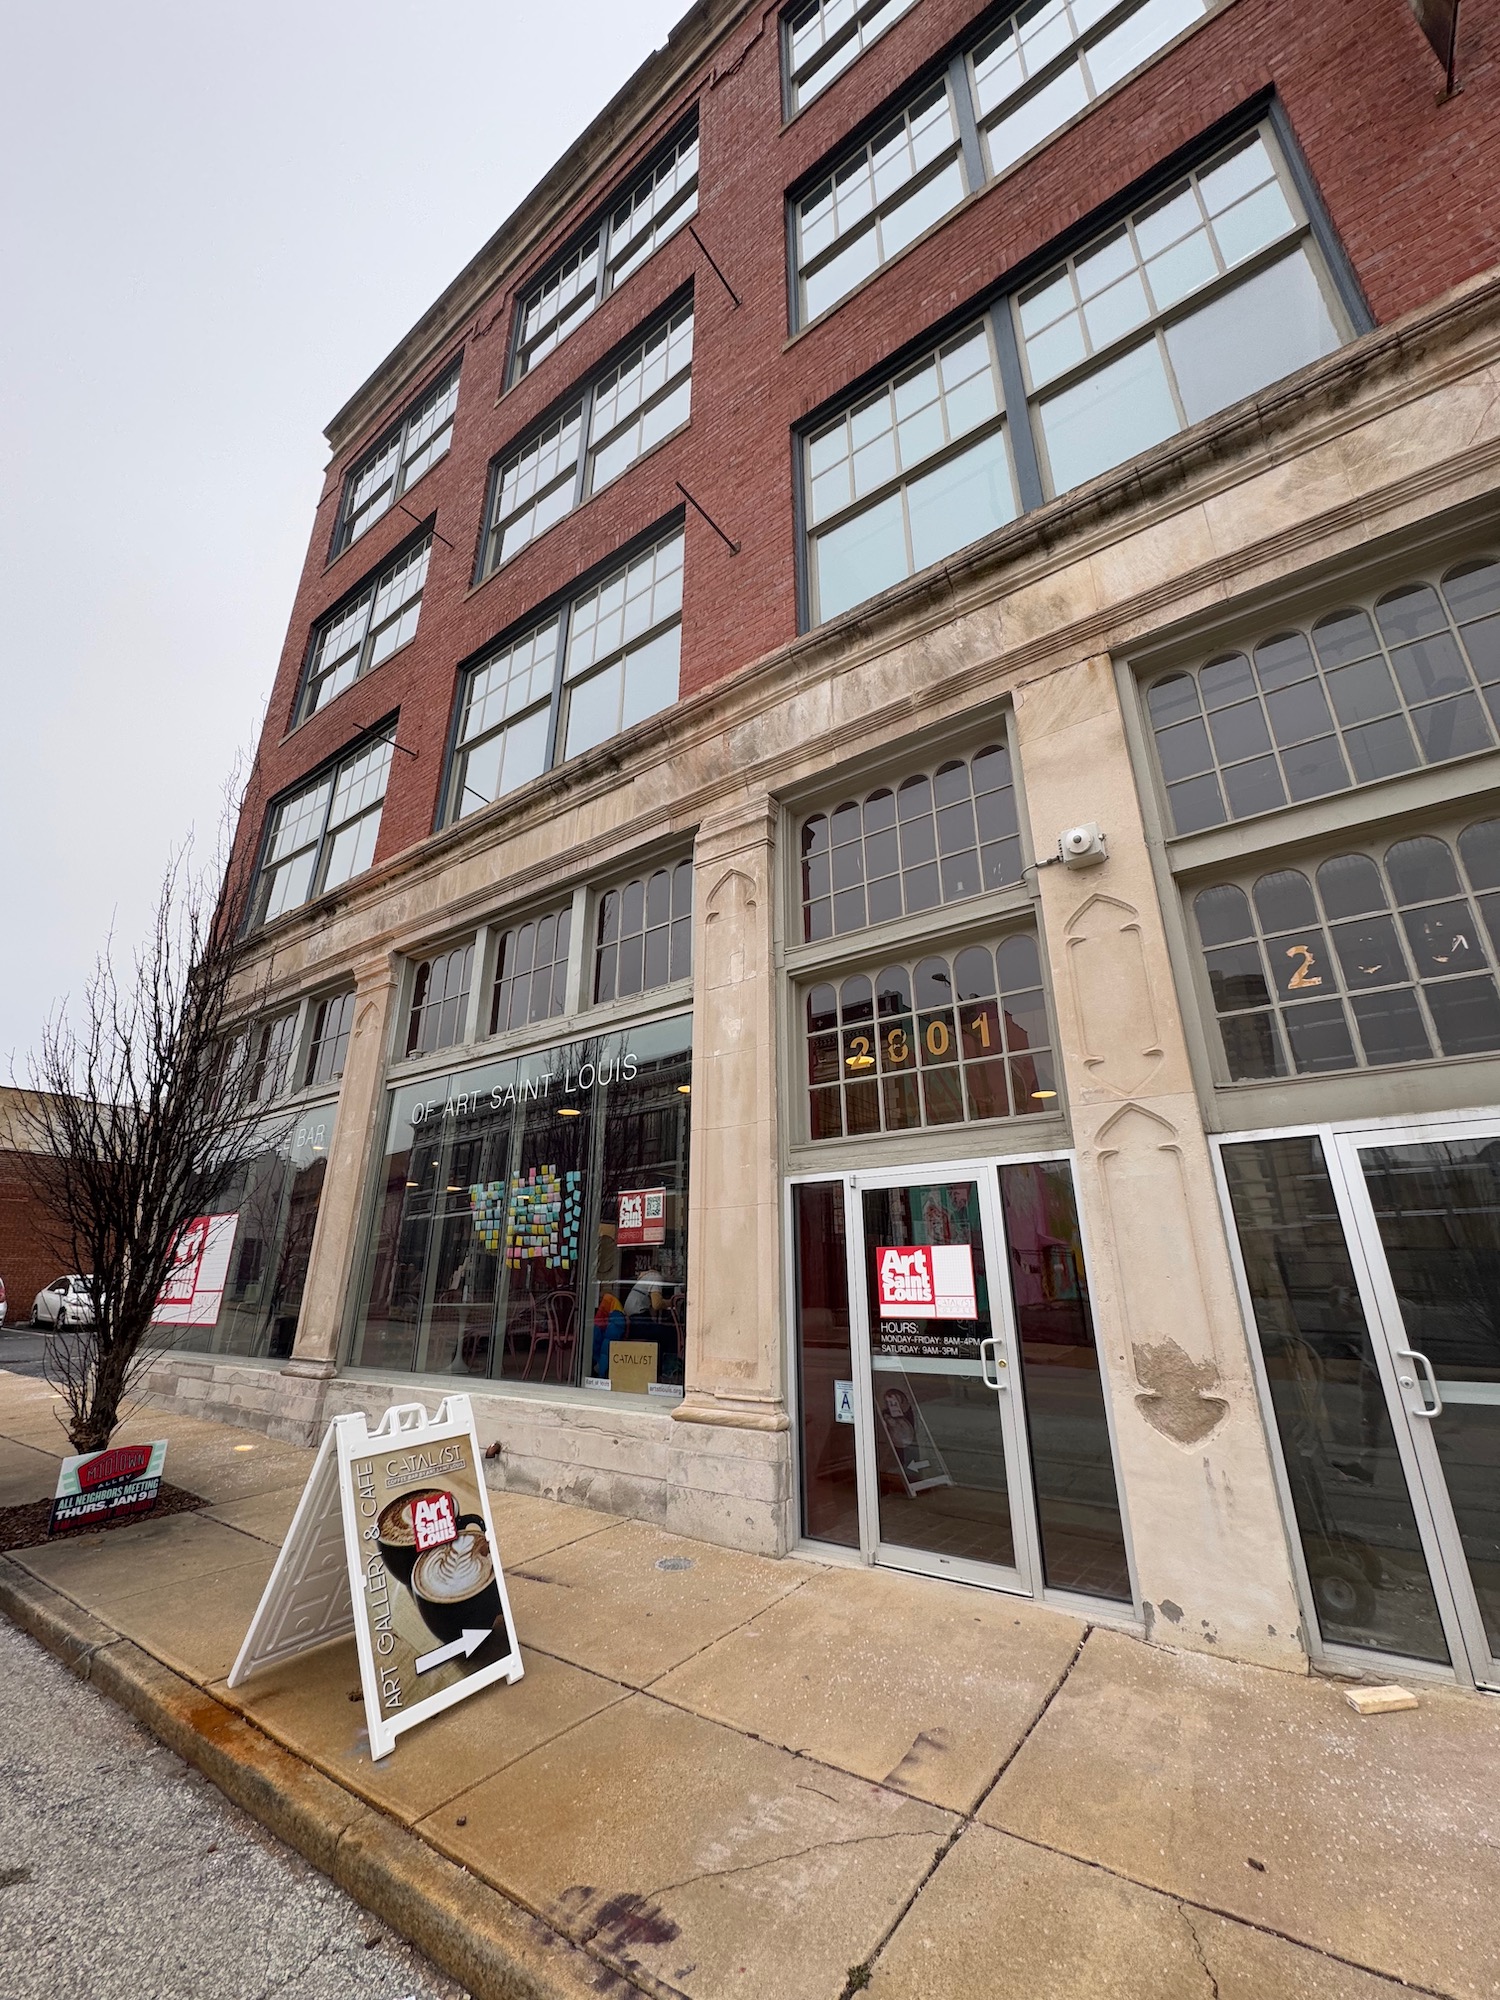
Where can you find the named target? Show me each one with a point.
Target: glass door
(1429, 1209)
(942, 1443)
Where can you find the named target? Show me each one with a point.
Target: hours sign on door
(926, 1281)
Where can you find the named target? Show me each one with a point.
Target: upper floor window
(333, 1022)
(909, 474)
(823, 37)
(591, 439)
(1206, 294)
(376, 622)
(531, 972)
(1201, 296)
(1051, 58)
(325, 833)
(929, 840)
(653, 208)
(440, 1000)
(937, 1041)
(398, 461)
(645, 936)
(1367, 692)
(1360, 960)
(1007, 94)
(606, 660)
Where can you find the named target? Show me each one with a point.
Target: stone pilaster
(734, 1364)
(1210, 1545)
(335, 1239)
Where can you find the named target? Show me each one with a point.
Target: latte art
(455, 1571)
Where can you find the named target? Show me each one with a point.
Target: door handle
(1435, 1407)
(994, 1354)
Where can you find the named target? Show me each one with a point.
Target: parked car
(65, 1302)
(2, 1301)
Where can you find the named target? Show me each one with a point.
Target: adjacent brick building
(881, 820)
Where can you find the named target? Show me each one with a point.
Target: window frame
(995, 306)
(420, 1006)
(561, 608)
(396, 434)
(644, 871)
(957, 65)
(303, 706)
(329, 772)
(318, 1006)
(793, 104)
(599, 231)
(576, 406)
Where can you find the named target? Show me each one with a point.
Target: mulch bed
(24, 1527)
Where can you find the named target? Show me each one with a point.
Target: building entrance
(1372, 1258)
(951, 1413)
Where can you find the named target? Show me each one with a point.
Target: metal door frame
(1437, 1529)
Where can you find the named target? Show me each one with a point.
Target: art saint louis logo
(926, 1281)
(432, 1521)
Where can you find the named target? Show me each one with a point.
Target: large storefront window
(532, 1217)
(274, 1207)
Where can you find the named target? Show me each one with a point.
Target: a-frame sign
(393, 1539)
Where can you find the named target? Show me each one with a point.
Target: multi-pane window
(631, 406)
(1363, 959)
(934, 1041)
(440, 1000)
(531, 972)
(398, 461)
(1367, 692)
(328, 1049)
(909, 474)
(272, 1046)
(624, 636)
(929, 840)
(652, 209)
(823, 37)
(616, 649)
(645, 936)
(878, 199)
(1206, 294)
(1051, 58)
(324, 834)
(1028, 77)
(360, 635)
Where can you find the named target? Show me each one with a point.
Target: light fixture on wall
(568, 1111)
(684, 1090)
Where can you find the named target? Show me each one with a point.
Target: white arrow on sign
(473, 1638)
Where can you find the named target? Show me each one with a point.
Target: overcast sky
(214, 222)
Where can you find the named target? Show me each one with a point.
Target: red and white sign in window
(643, 1217)
(926, 1281)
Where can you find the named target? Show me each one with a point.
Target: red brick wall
(31, 1254)
(1411, 185)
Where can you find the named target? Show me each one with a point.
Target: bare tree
(144, 1108)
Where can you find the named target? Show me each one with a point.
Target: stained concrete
(526, 1526)
(313, 1706)
(894, 1678)
(1010, 1921)
(197, 1628)
(25, 1473)
(1378, 1836)
(726, 1868)
(632, 1602)
(103, 1568)
(266, 1516)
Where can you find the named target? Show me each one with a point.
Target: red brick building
(881, 819)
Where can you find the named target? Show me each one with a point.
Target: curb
(476, 1935)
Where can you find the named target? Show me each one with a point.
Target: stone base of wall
(713, 1482)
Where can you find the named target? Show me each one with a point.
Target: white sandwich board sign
(393, 1539)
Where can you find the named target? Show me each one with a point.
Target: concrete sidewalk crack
(1192, 1931)
(773, 1860)
(1035, 1723)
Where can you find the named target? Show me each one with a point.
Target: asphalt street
(21, 1351)
(123, 1872)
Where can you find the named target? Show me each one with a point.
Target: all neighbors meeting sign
(393, 1537)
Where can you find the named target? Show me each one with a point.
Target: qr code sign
(432, 1520)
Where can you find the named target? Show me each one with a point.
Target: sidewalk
(725, 1777)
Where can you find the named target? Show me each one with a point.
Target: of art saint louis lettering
(587, 1079)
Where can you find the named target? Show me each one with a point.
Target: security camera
(1081, 846)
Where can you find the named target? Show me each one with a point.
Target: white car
(65, 1302)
